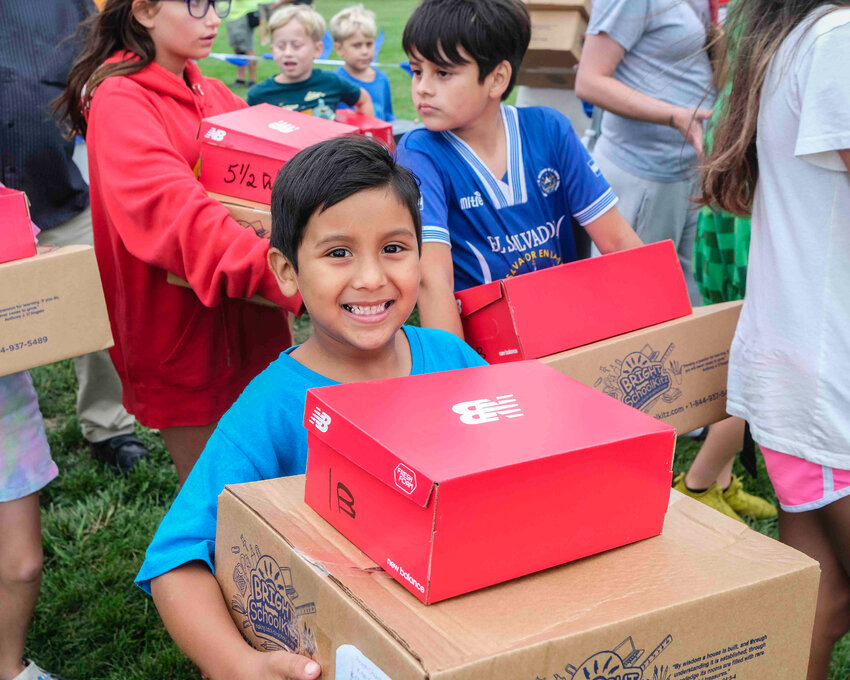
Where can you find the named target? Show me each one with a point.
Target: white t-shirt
(789, 371)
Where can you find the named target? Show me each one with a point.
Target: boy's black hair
(327, 173)
(491, 31)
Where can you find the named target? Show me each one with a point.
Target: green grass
(91, 622)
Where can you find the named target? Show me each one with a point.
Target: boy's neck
(366, 75)
(487, 137)
(343, 363)
(283, 80)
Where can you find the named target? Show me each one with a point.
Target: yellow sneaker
(712, 497)
(747, 504)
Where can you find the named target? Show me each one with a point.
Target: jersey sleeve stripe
(432, 234)
(599, 207)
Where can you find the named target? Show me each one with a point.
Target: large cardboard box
(556, 38)
(16, 237)
(548, 76)
(51, 308)
(242, 151)
(581, 6)
(368, 126)
(674, 371)
(536, 314)
(708, 599)
(455, 481)
(250, 214)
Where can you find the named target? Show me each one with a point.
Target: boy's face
(450, 97)
(294, 51)
(357, 51)
(358, 271)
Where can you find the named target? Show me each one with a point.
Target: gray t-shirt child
(666, 59)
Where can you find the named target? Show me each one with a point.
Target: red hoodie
(183, 355)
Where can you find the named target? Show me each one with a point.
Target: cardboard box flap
(478, 297)
(498, 416)
(268, 130)
(597, 592)
(328, 424)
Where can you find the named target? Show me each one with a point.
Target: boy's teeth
(366, 311)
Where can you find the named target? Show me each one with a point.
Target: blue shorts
(25, 462)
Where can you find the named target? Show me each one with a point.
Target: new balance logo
(474, 201)
(283, 126)
(481, 411)
(215, 134)
(320, 419)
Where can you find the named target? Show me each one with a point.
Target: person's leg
(20, 578)
(252, 68)
(810, 533)
(185, 444)
(714, 460)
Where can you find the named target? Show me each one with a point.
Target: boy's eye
(444, 74)
(394, 248)
(338, 252)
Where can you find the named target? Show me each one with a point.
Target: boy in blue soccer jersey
(346, 235)
(500, 185)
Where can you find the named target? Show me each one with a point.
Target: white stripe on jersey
(433, 234)
(596, 209)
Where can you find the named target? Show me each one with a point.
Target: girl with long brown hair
(138, 97)
(782, 151)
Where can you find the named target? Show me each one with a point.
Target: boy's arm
(364, 104)
(189, 594)
(437, 305)
(610, 232)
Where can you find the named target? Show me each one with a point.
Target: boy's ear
(500, 78)
(284, 272)
(144, 12)
(320, 46)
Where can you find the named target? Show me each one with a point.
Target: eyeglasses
(199, 8)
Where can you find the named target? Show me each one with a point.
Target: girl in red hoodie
(137, 97)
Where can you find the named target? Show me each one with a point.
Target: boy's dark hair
(327, 173)
(491, 31)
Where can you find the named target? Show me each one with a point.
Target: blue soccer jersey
(501, 227)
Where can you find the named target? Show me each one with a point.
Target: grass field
(91, 621)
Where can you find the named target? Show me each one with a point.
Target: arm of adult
(845, 156)
(437, 305)
(595, 83)
(610, 232)
(160, 211)
(364, 104)
(190, 593)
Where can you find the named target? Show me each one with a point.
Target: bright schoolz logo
(624, 662)
(405, 478)
(479, 411)
(265, 599)
(641, 378)
(320, 419)
(548, 180)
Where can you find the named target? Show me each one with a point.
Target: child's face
(358, 272)
(450, 97)
(176, 34)
(294, 51)
(357, 51)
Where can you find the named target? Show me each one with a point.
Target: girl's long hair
(112, 29)
(760, 26)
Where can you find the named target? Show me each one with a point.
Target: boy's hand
(282, 666)
(689, 123)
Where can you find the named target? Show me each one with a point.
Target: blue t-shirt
(520, 223)
(378, 89)
(261, 437)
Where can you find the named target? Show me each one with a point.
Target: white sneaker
(33, 672)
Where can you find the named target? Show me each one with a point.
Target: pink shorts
(801, 485)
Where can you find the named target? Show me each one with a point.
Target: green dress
(722, 243)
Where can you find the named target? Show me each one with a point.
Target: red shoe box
(16, 236)
(540, 313)
(242, 151)
(459, 480)
(369, 126)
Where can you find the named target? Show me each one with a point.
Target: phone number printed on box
(24, 344)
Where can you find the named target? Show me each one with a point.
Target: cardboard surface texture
(548, 76)
(674, 371)
(556, 37)
(555, 309)
(242, 151)
(250, 214)
(708, 599)
(16, 237)
(51, 308)
(369, 126)
(581, 6)
(490, 463)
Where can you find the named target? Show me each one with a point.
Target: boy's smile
(358, 274)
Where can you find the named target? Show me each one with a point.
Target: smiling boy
(345, 234)
(500, 185)
(296, 35)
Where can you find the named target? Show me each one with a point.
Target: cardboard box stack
(455, 481)
(16, 234)
(51, 308)
(708, 599)
(557, 31)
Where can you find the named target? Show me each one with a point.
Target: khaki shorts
(240, 35)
